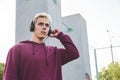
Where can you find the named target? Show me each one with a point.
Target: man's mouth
(43, 32)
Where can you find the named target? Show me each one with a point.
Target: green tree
(1, 70)
(110, 73)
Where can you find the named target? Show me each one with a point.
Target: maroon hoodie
(29, 60)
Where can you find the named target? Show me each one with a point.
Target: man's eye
(41, 24)
(47, 25)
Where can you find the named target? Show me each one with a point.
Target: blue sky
(100, 16)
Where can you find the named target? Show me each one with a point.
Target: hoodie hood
(37, 44)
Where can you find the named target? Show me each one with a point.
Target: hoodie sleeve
(10, 72)
(70, 52)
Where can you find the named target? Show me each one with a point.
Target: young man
(33, 60)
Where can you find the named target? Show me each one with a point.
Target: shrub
(1, 70)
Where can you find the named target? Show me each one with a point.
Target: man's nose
(44, 27)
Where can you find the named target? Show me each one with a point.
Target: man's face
(41, 28)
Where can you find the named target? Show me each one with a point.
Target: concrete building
(79, 36)
(73, 25)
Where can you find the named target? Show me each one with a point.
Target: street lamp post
(111, 46)
(112, 53)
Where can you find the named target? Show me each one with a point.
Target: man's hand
(55, 32)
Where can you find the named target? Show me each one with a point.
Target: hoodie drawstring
(45, 52)
(46, 60)
(33, 49)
